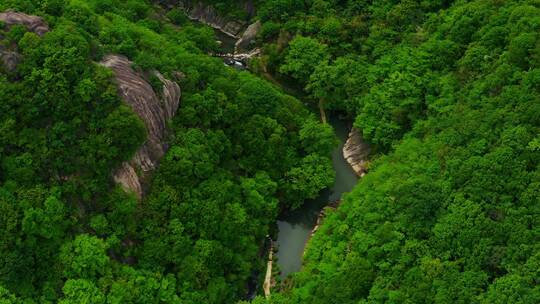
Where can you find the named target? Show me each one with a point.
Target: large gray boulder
(32, 23)
(153, 110)
(248, 38)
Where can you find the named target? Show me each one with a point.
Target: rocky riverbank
(208, 15)
(242, 33)
(356, 151)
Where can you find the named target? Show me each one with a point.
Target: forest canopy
(446, 92)
(239, 152)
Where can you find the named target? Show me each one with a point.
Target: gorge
(358, 151)
(349, 159)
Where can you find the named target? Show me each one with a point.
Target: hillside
(110, 191)
(137, 167)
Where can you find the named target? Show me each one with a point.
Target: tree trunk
(321, 109)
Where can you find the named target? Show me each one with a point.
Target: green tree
(304, 54)
(48, 222)
(85, 257)
(8, 298)
(305, 181)
(317, 137)
(82, 291)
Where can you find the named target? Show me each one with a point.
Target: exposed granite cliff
(32, 23)
(153, 110)
(355, 151)
(10, 57)
(207, 14)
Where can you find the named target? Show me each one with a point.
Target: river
(227, 42)
(295, 227)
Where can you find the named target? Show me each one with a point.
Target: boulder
(248, 38)
(154, 111)
(32, 23)
(10, 59)
(356, 151)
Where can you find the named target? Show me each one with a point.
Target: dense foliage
(447, 92)
(450, 91)
(240, 151)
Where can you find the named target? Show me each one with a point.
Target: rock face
(248, 38)
(32, 23)
(153, 110)
(208, 15)
(11, 58)
(355, 151)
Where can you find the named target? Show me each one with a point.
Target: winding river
(295, 227)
